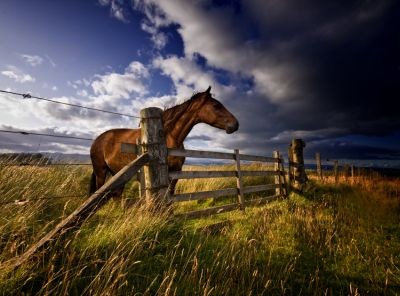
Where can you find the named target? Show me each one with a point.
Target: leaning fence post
(239, 180)
(278, 189)
(319, 168)
(296, 162)
(153, 143)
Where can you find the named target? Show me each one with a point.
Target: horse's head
(215, 114)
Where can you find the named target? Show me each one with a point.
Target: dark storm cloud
(318, 70)
(343, 71)
(348, 55)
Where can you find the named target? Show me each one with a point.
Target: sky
(324, 71)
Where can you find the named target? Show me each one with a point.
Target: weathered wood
(336, 170)
(262, 200)
(217, 174)
(129, 148)
(239, 183)
(296, 163)
(319, 167)
(153, 143)
(346, 172)
(352, 174)
(201, 174)
(141, 179)
(258, 188)
(259, 173)
(87, 209)
(204, 194)
(258, 158)
(278, 189)
(210, 211)
(217, 155)
(284, 182)
(200, 154)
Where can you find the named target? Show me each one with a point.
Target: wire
(26, 200)
(47, 135)
(28, 96)
(41, 165)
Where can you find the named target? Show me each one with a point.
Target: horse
(178, 121)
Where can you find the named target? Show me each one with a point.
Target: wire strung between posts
(24, 201)
(46, 135)
(28, 96)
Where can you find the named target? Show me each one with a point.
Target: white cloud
(116, 9)
(210, 33)
(82, 93)
(33, 60)
(16, 74)
(188, 76)
(117, 86)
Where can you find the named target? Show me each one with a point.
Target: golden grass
(334, 239)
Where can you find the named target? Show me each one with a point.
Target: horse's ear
(208, 89)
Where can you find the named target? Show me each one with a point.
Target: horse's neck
(180, 126)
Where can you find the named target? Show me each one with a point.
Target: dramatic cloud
(115, 85)
(33, 60)
(325, 72)
(17, 75)
(316, 71)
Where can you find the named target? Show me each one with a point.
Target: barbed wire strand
(42, 165)
(29, 96)
(47, 135)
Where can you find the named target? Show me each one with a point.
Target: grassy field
(334, 239)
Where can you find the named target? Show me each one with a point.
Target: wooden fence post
(142, 185)
(346, 170)
(153, 143)
(278, 190)
(352, 174)
(319, 167)
(336, 170)
(239, 182)
(283, 176)
(296, 161)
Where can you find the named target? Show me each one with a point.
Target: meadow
(334, 239)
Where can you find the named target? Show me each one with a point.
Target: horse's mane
(172, 114)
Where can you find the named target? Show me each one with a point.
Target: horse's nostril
(232, 127)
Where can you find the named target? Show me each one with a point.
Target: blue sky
(328, 73)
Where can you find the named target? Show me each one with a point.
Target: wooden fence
(153, 165)
(279, 181)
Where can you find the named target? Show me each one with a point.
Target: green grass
(333, 239)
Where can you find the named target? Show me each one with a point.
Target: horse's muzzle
(232, 128)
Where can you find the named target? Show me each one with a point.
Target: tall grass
(334, 239)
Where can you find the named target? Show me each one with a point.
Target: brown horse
(178, 122)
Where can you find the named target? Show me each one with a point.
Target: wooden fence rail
(278, 172)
